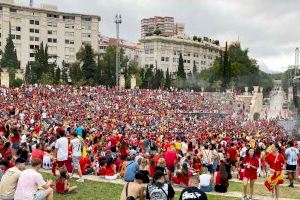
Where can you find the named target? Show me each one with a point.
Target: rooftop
(44, 8)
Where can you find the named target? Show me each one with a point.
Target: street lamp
(118, 21)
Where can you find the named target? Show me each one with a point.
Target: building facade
(64, 32)
(163, 53)
(165, 24)
(132, 50)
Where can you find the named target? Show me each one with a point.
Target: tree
(41, 65)
(226, 69)
(195, 71)
(181, 73)
(57, 75)
(195, 38)
(64, 72)
(168, 80)
(9, 56)
(148, 78)
(158, 79)
(157, 32)
(75, 72)
(28, 75)
(139, 81)
(88, 64)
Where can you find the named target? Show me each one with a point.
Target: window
(71, 41)
(69, 26)
(13, 10)
(52, 16)
(31, 46)
(18, 37)
(188, 61)
(31, 30)
(67, 41)
(69, 34)
(50, 32)
(31, 55)
(36, 39)
(37, 31)
(37, 22)
(167, 59)
(31, 38)
(53, 40)
(68, 17)
(162, 58)
(31, 21)
(18, 28)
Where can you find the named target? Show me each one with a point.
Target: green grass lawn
(285, 192)
(90, 190)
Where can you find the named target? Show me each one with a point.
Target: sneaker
(244, 197)
(291, 185)
(81, 180)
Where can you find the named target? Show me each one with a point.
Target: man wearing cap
(134, 189)
(159, 189)
(10, 179)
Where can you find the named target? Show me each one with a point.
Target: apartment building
(159, 52)
(64, 32)
(165, 24)
(131, 50)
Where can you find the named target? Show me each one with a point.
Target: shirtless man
(134, 189)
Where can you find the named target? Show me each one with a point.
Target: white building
(63, 32)
(166, 25)
(132, 50)
(163, 53)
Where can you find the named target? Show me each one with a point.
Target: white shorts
(40, 195)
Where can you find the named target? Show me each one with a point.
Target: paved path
(276, 100)
(176, 188)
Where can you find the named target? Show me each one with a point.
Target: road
(276, 100)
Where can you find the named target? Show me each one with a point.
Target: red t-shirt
(84, 163)
(233, 153)
(275, 163)
(170, 157)
(15, 139)
(37, 154)
(251, 173)
(113, 141)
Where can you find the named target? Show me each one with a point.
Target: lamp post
(118, 21)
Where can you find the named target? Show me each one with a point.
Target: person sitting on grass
(31, 184)
(206, 180)
(134, 190)
(62, 185)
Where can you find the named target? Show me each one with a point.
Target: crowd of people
(154, 137)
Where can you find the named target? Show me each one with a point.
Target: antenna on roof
(31, 3)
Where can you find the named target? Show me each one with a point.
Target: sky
(268, 28)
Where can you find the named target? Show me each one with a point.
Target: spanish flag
(274, 179)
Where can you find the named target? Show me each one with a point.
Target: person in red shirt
(37, 153)
(170, 158)
(113, 143)
(276, 162)
(233, 153)
(86, 165)
(250, 164)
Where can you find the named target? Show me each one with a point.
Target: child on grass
(62, 185)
